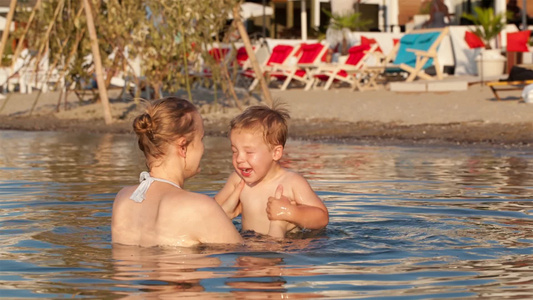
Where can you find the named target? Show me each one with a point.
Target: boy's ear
(277, 152)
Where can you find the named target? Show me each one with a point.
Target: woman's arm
(228, 196)
(212, 225)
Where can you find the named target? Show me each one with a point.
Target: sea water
(406, 222)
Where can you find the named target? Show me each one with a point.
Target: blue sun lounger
(417, 51)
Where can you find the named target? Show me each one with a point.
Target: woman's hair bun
(143, 124)
(164, 121)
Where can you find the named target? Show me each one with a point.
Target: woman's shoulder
(125, 193)
(184, 202)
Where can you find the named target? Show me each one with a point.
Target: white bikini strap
(145, 181)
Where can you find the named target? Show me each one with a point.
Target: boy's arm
(307, 210)
(228, 196)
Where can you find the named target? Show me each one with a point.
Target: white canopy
(254, 10)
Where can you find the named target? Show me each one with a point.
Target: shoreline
(469, 117)
(519, 135)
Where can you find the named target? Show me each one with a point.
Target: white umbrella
(253, 10)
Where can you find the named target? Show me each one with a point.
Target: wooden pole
(70, 55)
(44, 42)
(97, 63)
(42, 48)
(62, 47)
(225, 73)
(5, 34)
(5, 102)
(251, 54)
(185, 58)
(20, 44)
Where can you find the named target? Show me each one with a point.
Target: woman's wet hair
(164, 121)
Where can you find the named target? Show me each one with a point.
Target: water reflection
(423, 222)
(162, 272)
(204, 272)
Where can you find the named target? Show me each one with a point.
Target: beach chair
(417, 51)
(309, 59)
(241, 64)
(519, 77)
(353, 71)
(242, 59)
(279, 55)
(37, 75)
(380, 56)
(216, 56)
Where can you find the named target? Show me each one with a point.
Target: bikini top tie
(145, 181)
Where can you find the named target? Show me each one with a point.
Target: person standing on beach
(159, 211)
(274, 200)
(514, 11)
(438, 12)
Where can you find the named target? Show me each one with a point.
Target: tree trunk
(251, 54)
(5, 34)
(344, 46)
(21, 40)
(97, 63)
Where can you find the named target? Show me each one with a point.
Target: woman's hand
(231, 204)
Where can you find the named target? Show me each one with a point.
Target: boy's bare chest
(254, 200)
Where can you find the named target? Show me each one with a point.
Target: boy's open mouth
(246, 172)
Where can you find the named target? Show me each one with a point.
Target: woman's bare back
(169, 216)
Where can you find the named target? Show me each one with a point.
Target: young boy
(273, 200)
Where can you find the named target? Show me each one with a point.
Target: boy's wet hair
(164, 121)
(273, 122)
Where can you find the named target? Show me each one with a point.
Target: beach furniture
(382, 57)
(242, 59)
(28, 74)
(242, 64)
(279, 55)
(417, 51)
(215, 58)
(519, 75)
(499, 86)
(353, 70)
(309, 59)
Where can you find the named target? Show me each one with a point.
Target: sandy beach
(466, 117)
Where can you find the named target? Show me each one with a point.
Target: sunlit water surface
(405, 222)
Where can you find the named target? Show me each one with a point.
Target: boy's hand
(279, 207)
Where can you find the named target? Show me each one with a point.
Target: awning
(254, 10)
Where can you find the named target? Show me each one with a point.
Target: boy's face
(253, 158)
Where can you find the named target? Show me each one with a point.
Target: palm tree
(345, 23)
(488, 25)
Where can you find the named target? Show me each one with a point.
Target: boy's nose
(239, 157)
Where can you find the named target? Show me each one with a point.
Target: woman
(158, 211)
(438, 11)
